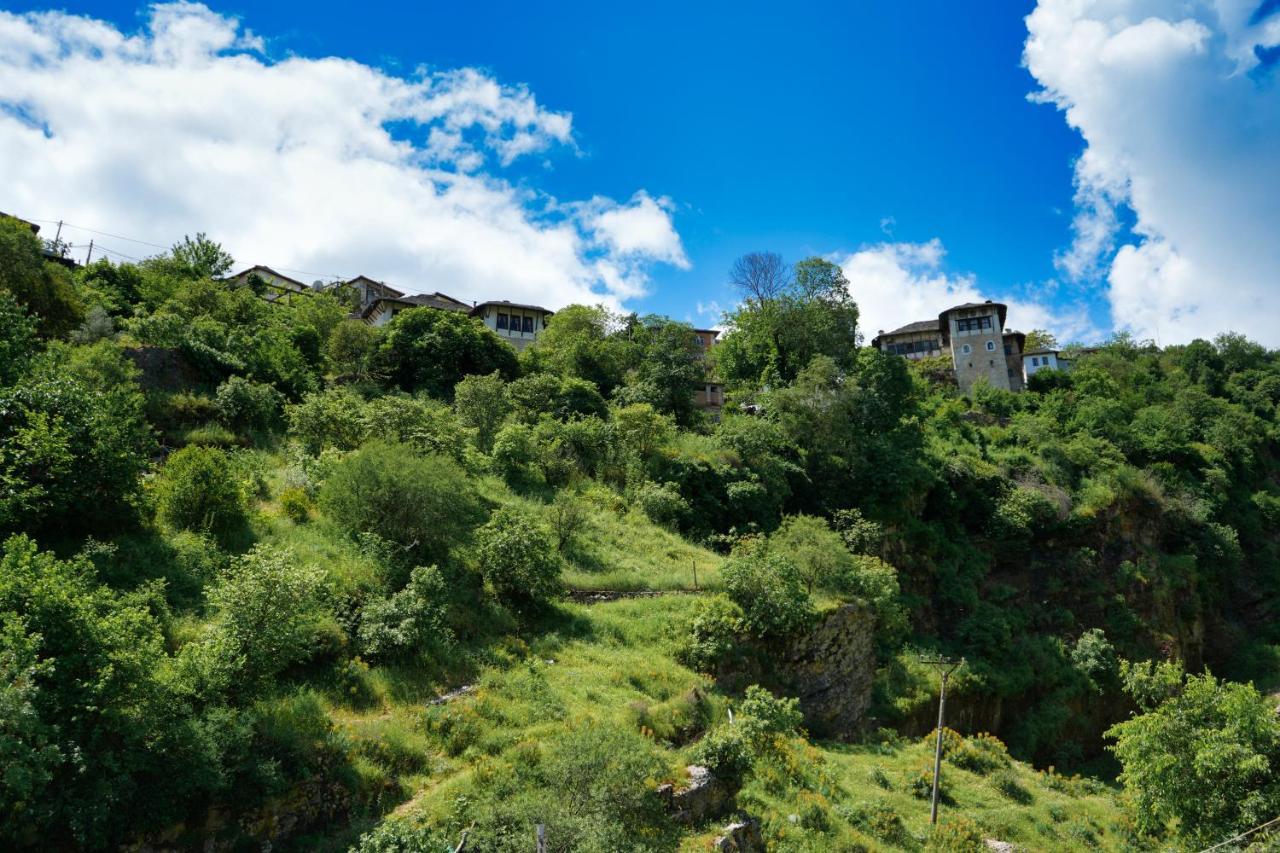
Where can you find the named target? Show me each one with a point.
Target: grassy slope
(612, 661)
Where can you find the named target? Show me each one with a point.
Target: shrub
(209, 435)
(767, 587)
(818, 551)
(981, 754)
(197, 490)
(764, 717)
(423, 349)
(245, 405)
(1006, 782)
(423, 504)
(70, 453)
(332, 418)
(709, 635)
(17, 339)
(409, 621)
(726, 753)
(661, 502)
(515, 556)
(296, 504)
(568, 516)
(513, 452)
(429, 426)
(955, 835)
(482, 404)
(267, 609)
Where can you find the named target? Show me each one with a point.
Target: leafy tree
(267, 608)
(424, 349)
(17, 339)
(429, 426)
(817, 550)
(786, 318)
(200, 257)
(583, 342)
(409, 621)
(1041, 339)
(424, 504)
(197, 489)
(97, 326)
(768, 587)
(330, 418)
(671, 366)
(351, 347)
(515, 556)
(1204, 758)
(482, 404)
(709, 635)
(244, 404)
(70, 455)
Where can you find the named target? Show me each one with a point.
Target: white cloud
(1182, 128)
(899, 283)
(321, 164)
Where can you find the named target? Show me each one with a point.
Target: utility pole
(945, 666)
(88, 254)
(695, 574)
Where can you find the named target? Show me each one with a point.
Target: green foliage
(17, 339)
(424, 504)
(818, 551)
(768, 588)
(568, 516)
(427, 350)
(955, 835)
(267, 607)
(661, 502)
(351, 347)
(516, 557)
(727, 753)
(197, 490)
(296, 504)
(200, 257)
(709, 635)
(671, 365)
(246, 405)
(407, 622)
(482, 403)
(70, 454)
(1203, 758)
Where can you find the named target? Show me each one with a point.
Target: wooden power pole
(945, 666)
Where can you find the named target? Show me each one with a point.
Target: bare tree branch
(760, 276)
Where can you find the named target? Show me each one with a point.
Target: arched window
(966, 349)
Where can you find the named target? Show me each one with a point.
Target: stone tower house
(974, 335)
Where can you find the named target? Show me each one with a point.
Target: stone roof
(917, 328)
(945, 327)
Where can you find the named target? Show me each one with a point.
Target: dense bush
(516, 557)
(710, 634)
(246, 405)
(818, 551)
(197, 490)
(767, 586)
(70, 455)
(431, 351)
(407, 622)
(424, 504)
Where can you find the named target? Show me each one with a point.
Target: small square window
(502, 321)
(991, 346)
(967, 349)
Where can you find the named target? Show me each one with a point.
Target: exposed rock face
(704, 797)
(830, 671)
(742, 837)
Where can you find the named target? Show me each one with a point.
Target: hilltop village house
(974, 336)
(518, 325)
(710, 395)
(274, 286)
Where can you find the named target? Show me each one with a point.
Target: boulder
(741, 837)
(704, 797)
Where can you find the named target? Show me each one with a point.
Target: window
(502, 321)
(528, 324)
(966, 349)
(1035, 361)
(1008, 349)
(973, 324)
(991, 346)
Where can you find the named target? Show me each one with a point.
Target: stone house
(276, 287)
(518, 325)
(973, 335)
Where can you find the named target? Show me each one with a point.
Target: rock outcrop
(741, 837)
(703, 798)
(830, 671)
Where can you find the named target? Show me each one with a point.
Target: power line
(65, 224)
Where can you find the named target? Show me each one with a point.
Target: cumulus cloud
(317, 164)
(899, 283)
(1181, 122)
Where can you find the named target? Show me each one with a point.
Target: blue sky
(902, 132)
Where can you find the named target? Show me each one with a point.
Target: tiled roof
(502, 303)
(913, 328)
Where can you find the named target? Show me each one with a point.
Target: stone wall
(830, 671)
